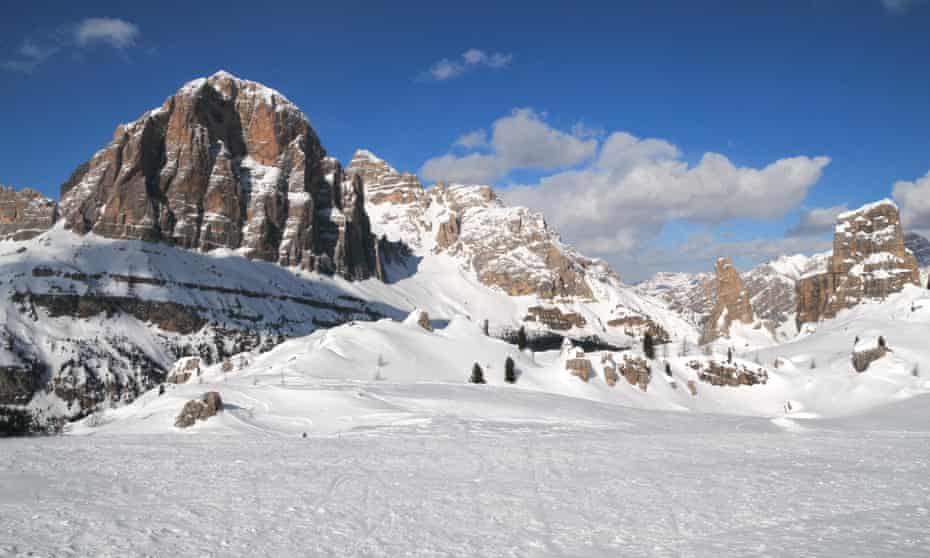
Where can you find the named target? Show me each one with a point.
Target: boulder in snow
(194, 410)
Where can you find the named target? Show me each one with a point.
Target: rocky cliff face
(226, 163)
(508, 247)
(869, 261)
(771, 287)
(732, 302)
(25, 214)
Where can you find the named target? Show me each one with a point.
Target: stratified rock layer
(869, 261)
(226, 163)
(25, 214)
(733, 302)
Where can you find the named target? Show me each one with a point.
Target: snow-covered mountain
(216, 224)
(771, 287)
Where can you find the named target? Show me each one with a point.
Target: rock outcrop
(208, 406)
(868, 351)
(733, 303)
(869, 261)
(25, 214)
(728, 374)
(580, 367)
(226, 163)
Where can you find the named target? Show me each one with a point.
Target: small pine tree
(477, 374)
(161, 389)
(486, 329)
(881, 341)
(668, 370)
(915, 371)
(729, 355)
(649, 347)
(521, 338)
(510, 373)
(813, 364)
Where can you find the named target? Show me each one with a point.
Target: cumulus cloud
(110, 30)
(816, 221)
(472, 140)
(521, 140)
(913, 197)
(30, 56)
(612, 196)
(472, 58)
(639, 185)
(899, 7)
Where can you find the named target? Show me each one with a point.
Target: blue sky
(651, 86)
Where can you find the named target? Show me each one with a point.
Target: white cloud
(110, 30)
(899, 7)
(472, 140)
(31, 55)
(114, 32)
(817, 221)
(446, 69)
(913, 197)
(629, 187)
(522, 140)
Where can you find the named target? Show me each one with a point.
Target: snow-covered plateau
(366, 439)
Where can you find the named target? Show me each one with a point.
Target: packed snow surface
(366, 440)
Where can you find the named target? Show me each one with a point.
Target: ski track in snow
(454, 486)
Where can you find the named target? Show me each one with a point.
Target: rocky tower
(733, 303)
(25, 214)
(869, 261)
(226, 163)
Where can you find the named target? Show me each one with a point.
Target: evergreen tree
(477, 374)
(668, 370)
(485, 329)
(648, 346)
(521, 338)
(881, 341)
(510, 373)
(729, 355)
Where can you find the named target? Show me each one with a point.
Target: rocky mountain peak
(225, 163)
(733, 302)
(25, 214)
(869, 261)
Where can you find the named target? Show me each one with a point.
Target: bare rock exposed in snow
(869, 261)
(225, 163)
(868, 351)
(636, 371)
(25, 214)
(728, 374)
(580, 368)
(202, 409)
(423, 321)
(732, 303)
(554, 318)
(184, 369)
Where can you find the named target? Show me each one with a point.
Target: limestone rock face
(580, 368)
(510, 248)
(732, 302)
(728, 374)
(202, 409)
(869, 261)
(25, 214)
(225, 163)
